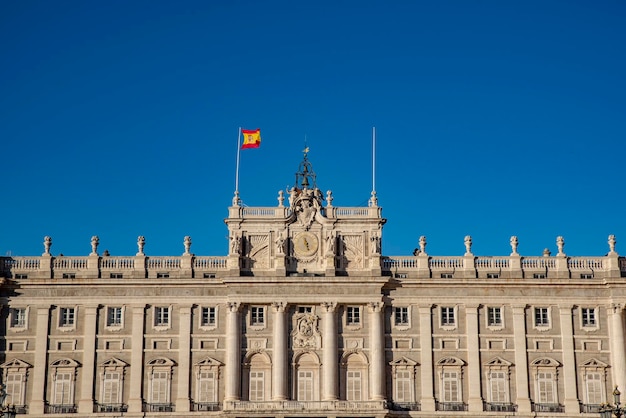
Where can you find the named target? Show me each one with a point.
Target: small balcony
(110, 407)
(451, 406)
(206, 406)
(405, 406)
(158, 407)
(500, 407)
(60, 409)
(547, 407)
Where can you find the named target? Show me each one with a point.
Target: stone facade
(306, 317)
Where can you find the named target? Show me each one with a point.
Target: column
(618, 356)
(377, 351)
(184, 359)
(426, 350)
(521, 359)
(40, 365)
(85, 403)
(569, 362)
(475, 401)
(329, 345)
(279, 365)
(233, 354)
(135, 399)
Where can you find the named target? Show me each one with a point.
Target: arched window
(355, 376)
(306, 377)
(258, 368)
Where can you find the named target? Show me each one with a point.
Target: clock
(305, 244)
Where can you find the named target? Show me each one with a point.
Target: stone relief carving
(235, 244)
(258, 250)
(353, 250)
(305, 333)
(305, 205)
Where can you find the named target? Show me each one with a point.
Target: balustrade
(305, 405)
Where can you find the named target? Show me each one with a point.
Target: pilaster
(135, 399)
(233, 353)
(40, 365)
(85, 403)
(139, 267)
(186, 265)
(572, 406)
(426, 358)
(618, 347)
(521, 358)
(377, 350)
(184, 358)
(475, 401)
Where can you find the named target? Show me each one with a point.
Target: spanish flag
(251, 138)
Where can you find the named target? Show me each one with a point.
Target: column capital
(472, 307)
(519, 308)
(233, 306)
(425, 306)
(617, 307)
(566, 309)
(279, 306)
(329, 307)
(375, 307)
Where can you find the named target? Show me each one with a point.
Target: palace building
(305, 317)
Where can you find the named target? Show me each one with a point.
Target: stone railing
(248, 406)
(422, 266)
(278, 212)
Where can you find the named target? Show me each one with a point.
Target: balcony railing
(60, 409)
(206, 406)
(247, 406)
(547, 407)
(451, 406)
(590, 408)
(500, 407)
(404, 406)
(111, 407)
(158, 407)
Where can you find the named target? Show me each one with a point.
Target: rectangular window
(586, 275)
(401, 315)
(498, 387)
(18, 317)
(159, 393)
(305, 309)
(69, 275)
(493, 275)
(14, 387)
(451, 386)
(593, 387)
(208, 316)
(353, 386)
(588, 317)
(447, 315)
(206, 387)
(539, 276)
(494, 317)
(67, 317)
(111, 388)
(541, 317)
(305, 385)
(446, 275)
(161, 316)
(63, 389)
(353, 315)
(116, 275)
(257, 386)
(163, 275)
(114, 316)
(257, 315)
(403, 386)
(545, 387)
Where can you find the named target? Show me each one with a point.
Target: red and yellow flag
(251, 138)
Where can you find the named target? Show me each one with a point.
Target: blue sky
(493, 119)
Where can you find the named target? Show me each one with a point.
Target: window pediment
(161, 361)
(545, 362)
(65, 362)
(15, 364)
(113, 362)
(594, 364)
(450, 361)
(403, 362)
(209, 362)
(498, 362)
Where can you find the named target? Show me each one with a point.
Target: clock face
(305, 244)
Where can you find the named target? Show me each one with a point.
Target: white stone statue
(236, 199)
(468, 245)
(280, 243)
(330, 244)
(329, 198)
(187, 243)
(235, 245)
(375, 240)
(47, 243)
(94, 245)
(546, 252)
(560, 243)
(422, 243)
(141, 242)
(612, 241)
(514, 244)
(281, 199)
(373, 201)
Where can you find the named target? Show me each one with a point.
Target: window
(69, 275)
(257, 386)
(498, 387)
(542, 318)
(588, 317)
(15, 383)
(63, 389)
(163, 275)
(593, 388)
(159, 387)
(539, 276)
(21, 276)
(447, 316)
(545, 387)
(305, 309)
(353, 315)
(67, 317)
(404, 385)
(494, 316)
(586, 275)
(18, 317)
(161, 316)
(209, 275)
(116, 276)
(206, 387)
(114, 316)
(111, 388)
(305, 385)
(450, 386)
(353, 387)
(401, 315)
(257, 315)
(208, 317)
(446, 275)
(493, 275)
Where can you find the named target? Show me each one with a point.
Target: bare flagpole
(236, 197)
(373, 199)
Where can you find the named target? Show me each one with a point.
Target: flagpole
(373, 159)
(237, 171)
